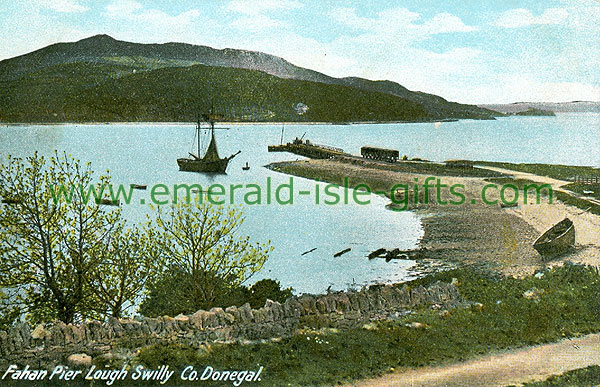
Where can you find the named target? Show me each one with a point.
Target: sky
(470, 51)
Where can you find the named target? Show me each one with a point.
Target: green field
(555, 171)
(584, 377)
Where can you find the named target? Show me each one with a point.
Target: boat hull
(189, 165)
(557, 240)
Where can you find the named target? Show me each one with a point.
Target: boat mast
(198, 135)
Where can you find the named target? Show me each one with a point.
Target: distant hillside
(563, 107)
(100, 79)
(536, 112)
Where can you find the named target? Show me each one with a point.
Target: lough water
(147, 153)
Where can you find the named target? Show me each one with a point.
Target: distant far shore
(166, 123)
(241, 123)
(556, 107)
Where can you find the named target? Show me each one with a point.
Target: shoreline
(495, 238)
(244, 123)
(240, 123)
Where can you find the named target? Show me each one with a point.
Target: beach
(472, 233)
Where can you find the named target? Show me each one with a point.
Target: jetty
(308, 149)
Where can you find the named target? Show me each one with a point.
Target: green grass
(521, 184)
(579, 188)
(577, 202)
(555, 171)
(428, 168)
(568, 306)
(584, 377)
(557, 195)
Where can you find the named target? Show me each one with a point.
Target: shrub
(172, 294)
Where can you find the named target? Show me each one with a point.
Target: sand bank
(472, 233)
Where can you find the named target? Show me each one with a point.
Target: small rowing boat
(557, 240)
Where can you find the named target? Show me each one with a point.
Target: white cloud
(256, 23)
(254, 19)
(400, 21)
(520, 17)
(445, 22)
(32, 28)
(348, 16)
(65, 6)
(134, 11)
(392, 37)
(122, 7)
(260, 6)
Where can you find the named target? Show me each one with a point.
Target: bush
(173, 294)
(267, 289)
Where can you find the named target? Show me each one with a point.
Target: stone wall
(49, 344)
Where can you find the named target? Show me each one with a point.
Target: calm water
(147, 153)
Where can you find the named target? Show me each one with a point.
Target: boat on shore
(210, 162)
(557, 240)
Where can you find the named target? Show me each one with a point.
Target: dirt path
(510, 368)
(555, 183)
(544, 215)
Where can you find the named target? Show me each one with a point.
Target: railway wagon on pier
(390, 155)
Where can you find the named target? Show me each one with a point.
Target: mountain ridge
(122, 55)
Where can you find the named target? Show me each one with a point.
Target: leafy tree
(52, 249)
(128, 260)
(201, 241)
(8, 313)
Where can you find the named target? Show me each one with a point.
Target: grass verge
(505, 313)
(577, 202)
(580, 203)
(584, 377)
(423, 168)
(555, 171)
(584, 189)
(557, 303)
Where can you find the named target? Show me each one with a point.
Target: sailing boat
(210, 162)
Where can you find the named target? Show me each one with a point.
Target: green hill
(103, 79)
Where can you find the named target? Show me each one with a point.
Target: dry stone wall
(49, 344)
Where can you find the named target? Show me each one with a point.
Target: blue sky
(468, 51)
